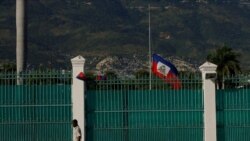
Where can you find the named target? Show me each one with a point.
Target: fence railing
(233, 109)
(237, 81)
(187, 81)
(39, 109)
(123, 110)
(36, 77)
(119, 109)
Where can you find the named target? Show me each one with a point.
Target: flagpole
(149, 48)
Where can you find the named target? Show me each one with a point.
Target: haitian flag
(81, 76)
(101, 77)
(165, 70)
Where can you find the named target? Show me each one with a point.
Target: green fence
(39, 109)
(126, 110)
(233, 110)
(233, 115)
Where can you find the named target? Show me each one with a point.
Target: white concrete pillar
(208, 71)
(78, 93)
(20, 38)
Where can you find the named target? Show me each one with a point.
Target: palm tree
(227, 63)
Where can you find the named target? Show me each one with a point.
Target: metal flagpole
(149, 48)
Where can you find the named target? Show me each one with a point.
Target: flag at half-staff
(165, 70)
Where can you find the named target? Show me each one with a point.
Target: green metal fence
(233, 110)
(39, 109)
(126, 110)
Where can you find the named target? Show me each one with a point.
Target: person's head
(75, 123)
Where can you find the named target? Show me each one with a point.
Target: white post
(20, 38)
(208, 71)
(149, 48)
(78, 93)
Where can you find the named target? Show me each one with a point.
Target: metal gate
(233, 109)
(37, 110)
(126, 110)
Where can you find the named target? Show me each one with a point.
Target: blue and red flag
(81, 76)
(101, 77)
(165, 70)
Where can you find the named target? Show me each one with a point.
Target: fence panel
(233, 115)
(39, 109)
(123, 110)
(233, 109)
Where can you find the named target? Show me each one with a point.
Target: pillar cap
(78, 60)
(208, 67)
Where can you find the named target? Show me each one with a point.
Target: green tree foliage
(141, 74)
(179, 28)
(111, 75)
(7, 67)
(227, 62)
(90, 81)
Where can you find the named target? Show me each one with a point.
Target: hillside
(61, 29)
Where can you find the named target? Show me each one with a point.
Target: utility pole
(149, 48)
(20, 38)
(149, 37)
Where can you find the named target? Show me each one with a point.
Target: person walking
(76, 130)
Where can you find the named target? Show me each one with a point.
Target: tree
(227, 63)
(141, 74)
(7, 67)
(111, 75)
(90, 81)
